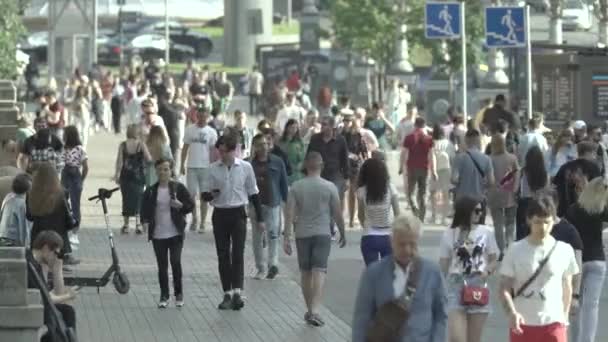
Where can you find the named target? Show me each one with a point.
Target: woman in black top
(357, 153)
(164, 209)
(47, 208)
(533, 180)
(588, 215)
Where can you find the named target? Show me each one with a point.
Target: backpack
(442, 158)
(132, 165)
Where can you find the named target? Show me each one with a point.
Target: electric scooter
(119, 279)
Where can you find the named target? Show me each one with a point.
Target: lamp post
(555, 21)
(402, 56)
(600, 7)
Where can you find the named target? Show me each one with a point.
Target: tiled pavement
(273, 312)
(274, 309)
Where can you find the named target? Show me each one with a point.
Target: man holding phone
(231, 186)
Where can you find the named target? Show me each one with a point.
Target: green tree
(474, 17)
(11, 31)
(367, 27)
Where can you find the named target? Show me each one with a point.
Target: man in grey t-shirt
(312, 203)
(472, 172)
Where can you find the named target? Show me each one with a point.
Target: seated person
(13, 222)
(43, 256)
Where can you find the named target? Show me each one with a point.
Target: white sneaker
(179, 301)
(260, 275)
(201, 228)
(163, 304)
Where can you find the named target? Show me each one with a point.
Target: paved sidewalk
(274, 309)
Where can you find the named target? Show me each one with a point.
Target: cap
(579, 124)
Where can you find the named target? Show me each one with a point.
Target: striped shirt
(378, 214)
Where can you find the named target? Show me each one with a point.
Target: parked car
(180, 34)
(36, 44)
(577, 15)
(144, 46)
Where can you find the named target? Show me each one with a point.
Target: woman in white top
(376, 197)
(444, 153)
(468, 254)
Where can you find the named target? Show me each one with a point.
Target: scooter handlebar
(103, 193)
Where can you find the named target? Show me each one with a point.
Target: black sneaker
(226, 304)
(315, 320)
(272, 272)
(237, 302)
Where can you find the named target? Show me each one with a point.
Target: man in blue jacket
(271, 178)
(386, 280)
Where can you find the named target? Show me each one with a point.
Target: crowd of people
(307, 163)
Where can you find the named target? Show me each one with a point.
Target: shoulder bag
(535, 275)
(483, 174)
(390, 318)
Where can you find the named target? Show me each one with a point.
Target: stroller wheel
(121, 282)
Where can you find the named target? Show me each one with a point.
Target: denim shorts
(455, 283)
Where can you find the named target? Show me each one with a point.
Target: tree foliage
(368, 27)
(11, 31)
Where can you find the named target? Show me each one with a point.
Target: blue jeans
(584, 325)
(71, 180)
(272, 217)
(375, 247)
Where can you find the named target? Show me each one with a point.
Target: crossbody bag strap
(411, 283)
(536, 273)
(483, 174)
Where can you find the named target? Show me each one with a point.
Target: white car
(577, 15)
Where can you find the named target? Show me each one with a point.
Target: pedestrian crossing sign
(505, 27)
(442, 20)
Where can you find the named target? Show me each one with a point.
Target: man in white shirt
(536, 284)
(291, 110)
(231, 186)
(533, 137)
(199, 144)
(256, 84)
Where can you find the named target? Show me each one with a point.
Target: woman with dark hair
(444, 153)
(468, 256)
(376, 197)
(164, 209)
(357, 154)
(76, 169)
(293, 146)
(534, 179)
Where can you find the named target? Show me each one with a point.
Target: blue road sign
(442, 20)
(505, 27)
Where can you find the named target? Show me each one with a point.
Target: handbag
(387, 324)
(475, 295)
(527, 283)
(507, 183)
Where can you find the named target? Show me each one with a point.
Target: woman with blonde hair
(588, 215)
(501, 195)
(159, 148)
(47, 208)
(130, 165)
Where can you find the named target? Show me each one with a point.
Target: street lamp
(402, 63)
(309, 7)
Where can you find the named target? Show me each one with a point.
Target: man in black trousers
(231, 186)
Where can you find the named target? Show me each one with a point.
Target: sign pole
(529, 61)
(464, 62)
(167, 36)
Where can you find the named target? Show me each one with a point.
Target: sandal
(124, 230)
